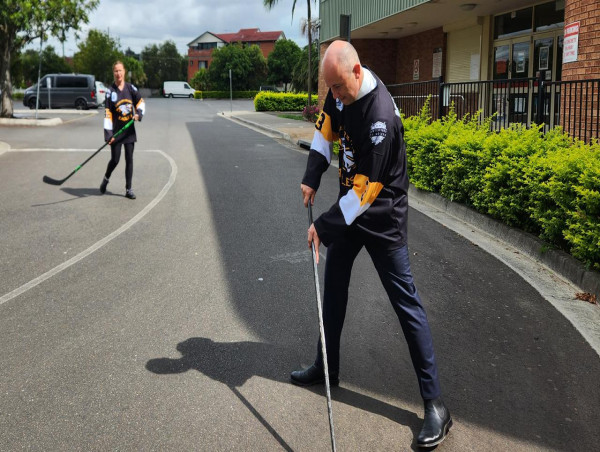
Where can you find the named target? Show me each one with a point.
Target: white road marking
(99, 244)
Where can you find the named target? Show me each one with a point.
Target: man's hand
(308, 194)
(313, 237)
(111, 141)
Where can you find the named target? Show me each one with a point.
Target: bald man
(371, 212)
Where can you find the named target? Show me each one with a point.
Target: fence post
(540, 98)
(440, 97)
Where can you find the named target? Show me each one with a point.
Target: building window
(206, 45)
(191, 63)
(513, 23)
(549, 16)
(201, 64)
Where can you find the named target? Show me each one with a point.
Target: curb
(271, 130)
(31, 122)
(558, 261)
(304, 144)
(62, 111)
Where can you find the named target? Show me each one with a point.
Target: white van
(173, 89)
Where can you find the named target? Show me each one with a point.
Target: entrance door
(511, 99)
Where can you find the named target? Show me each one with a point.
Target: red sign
(571, 42)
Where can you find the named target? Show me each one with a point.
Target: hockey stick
(322, 333)
(51, 181)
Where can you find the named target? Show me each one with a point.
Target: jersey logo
(378, 132)
(339, 105)
(113, 96)
(347, 153)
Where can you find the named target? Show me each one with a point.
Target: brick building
(200, 49)
(467, 41)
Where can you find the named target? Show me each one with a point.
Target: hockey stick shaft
(52, 181)
(322, 334)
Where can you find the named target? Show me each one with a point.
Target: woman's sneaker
(103, 185)
(130, 194)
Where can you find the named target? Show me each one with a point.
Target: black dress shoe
(436, 424)
(312, 376)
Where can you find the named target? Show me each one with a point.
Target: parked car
(100, 93)
(63, 90)
(181, 89)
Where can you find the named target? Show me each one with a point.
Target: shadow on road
(234, 363)
(79, 193)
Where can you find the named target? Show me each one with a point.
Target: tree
(22, 21)
(135, 71)
(247, 63)
(258, 67)
(200, 80)
(170, 62)
(230, 57)
(281, 62)
(25, 69)
(300, 78)
(97, 54)
(269, 4)
(162, 62)
(151, 62)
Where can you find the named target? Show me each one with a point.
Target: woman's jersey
(373, 196)
(120, 106)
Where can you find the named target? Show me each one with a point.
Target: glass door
(511, 99)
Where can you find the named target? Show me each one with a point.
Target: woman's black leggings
(115, 156)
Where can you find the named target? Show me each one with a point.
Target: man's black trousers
(393, 267)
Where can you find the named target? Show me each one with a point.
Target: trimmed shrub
(547, 184)
(270, 101)
(224, 94)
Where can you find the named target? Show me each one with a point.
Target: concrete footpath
(554, 274)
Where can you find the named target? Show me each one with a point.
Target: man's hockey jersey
(120, 107)
(373, 195)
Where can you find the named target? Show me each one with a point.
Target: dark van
(63, 90)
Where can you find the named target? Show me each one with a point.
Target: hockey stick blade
(51, 181)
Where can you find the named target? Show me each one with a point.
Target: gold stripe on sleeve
(365, 190)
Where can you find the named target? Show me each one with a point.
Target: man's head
(342, 71)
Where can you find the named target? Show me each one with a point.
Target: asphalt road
(172, 322)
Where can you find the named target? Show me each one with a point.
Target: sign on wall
(416, 70)
(571, 42)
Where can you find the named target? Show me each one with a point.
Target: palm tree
(270, 4)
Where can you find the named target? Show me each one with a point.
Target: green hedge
(270, 101)
(546, 184)
(224, 94)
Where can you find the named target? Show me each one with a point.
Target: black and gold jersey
(373, 180)
(120, 106)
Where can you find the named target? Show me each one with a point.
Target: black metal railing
(573, 105)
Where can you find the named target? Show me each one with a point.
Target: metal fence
(573, 105)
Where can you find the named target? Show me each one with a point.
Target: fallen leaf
(584, 296)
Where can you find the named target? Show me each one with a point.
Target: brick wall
(392, 59)
(578, 121)
(421, 47)
(587, 66)
(194, 56)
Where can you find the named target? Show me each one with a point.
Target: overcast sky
(138, 23)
